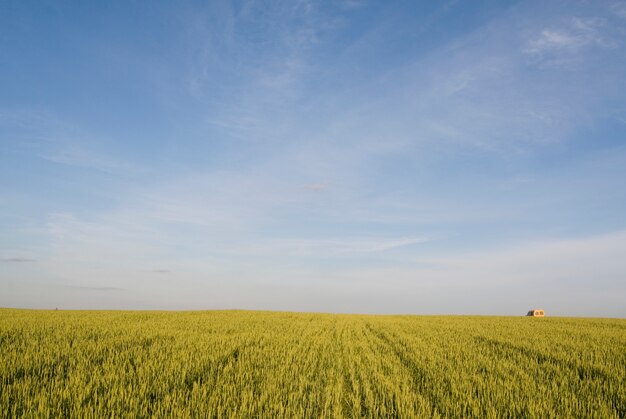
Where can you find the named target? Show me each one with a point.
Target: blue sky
(347, 156)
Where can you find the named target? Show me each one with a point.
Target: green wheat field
(270, 364)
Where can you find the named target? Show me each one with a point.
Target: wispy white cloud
(578, 33)
(316, 186)
(100, 289)
(54, 139)
(352, 4)
(619, 9)
(319, 248)
(17, 259)
(261, 52)
(72, 153)
(105, 244)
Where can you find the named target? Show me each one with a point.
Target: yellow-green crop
(264, 364)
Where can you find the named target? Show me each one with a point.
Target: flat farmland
(273, 364)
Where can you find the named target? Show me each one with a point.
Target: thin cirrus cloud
(317, 187)
(97, 289)
(619, 9)
(74, 155)
(58, 140)
(576, 34)
(328, 247)
(17, 259)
